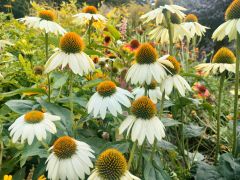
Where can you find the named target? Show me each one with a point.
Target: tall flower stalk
(222, 77)
(90, 31)
(132, 155)
(223, 61)
(48, 76)
(170, 32)
(230, 28)
(234, 150)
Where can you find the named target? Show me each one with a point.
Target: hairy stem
(234, 149)
(170, 32)
(219, 114)
(48, 76)
(132, 155)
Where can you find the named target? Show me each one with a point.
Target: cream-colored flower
(70, 159)
(45, 22)
(223, 60)
(89, 14)
(143, 123)
(71, 54)
(161, 33)
(148, 67)
(232, 24)
(174, 80)
(31, 124)
(111, 164)
(158, 13)
(152, 91)
(193, 26)
(109, 98)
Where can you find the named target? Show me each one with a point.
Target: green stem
(194, 47)
(71, 101)
(234, 149)
(48, 76)
(132, 154)
(182, 140)
(89, 31)
(222, 77)
(111, 70)
(1, 153)
(187, 56)
(170, 32)
(140, 157)
(160, 116)
(198, 145)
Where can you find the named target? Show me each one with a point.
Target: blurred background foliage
(210, 13)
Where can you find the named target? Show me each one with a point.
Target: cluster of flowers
(156, 77)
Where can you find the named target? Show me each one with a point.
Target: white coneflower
(161, 32)
(232, 24)
(89, 14)
(148, 67)
(111, 164)
(223, 60)
(45, 22)
(143, 123)
(174, 80)
(158, 13)
(70, 159)
(31, 124)
(71, 54)
(193, 26)
(109, 98)
(151, 90)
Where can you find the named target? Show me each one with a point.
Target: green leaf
(64, 113)
(32, 150)
(154, 170)
(92, 83)
(78, 100)
(169, 122)
(184, 101)
(60, 81)
(205, 171)
(192, 130)
(20, 174)
(23, 90)
(166, 145)
(122, 146)
(207, 106)
(229, 167)
(93, 52)
(40, 169)
(26, 66)
(115, 33)
(20, 106)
